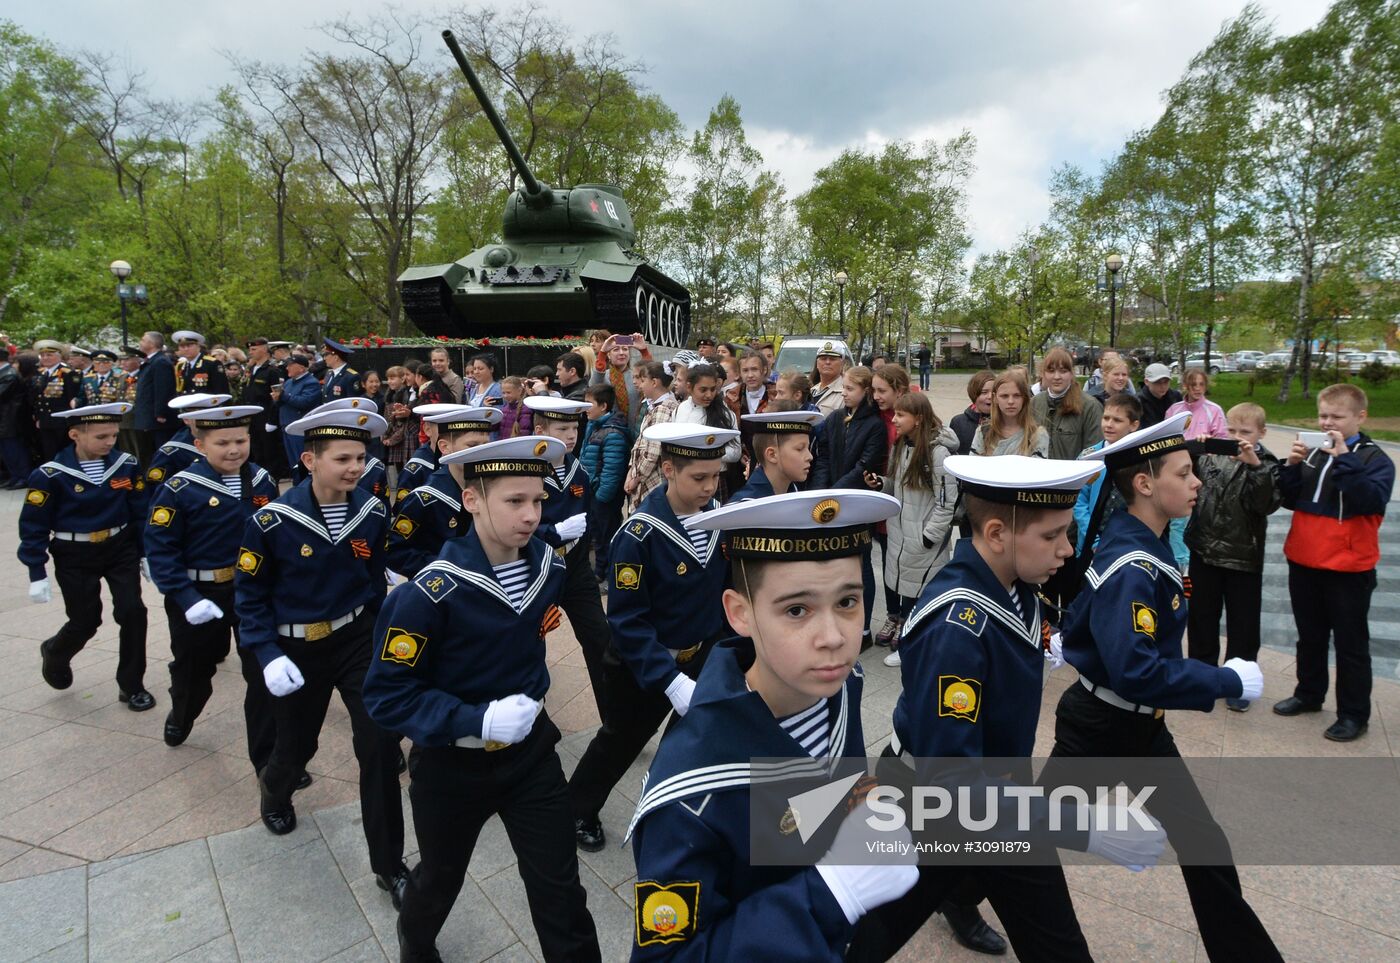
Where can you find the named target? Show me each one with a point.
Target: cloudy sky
(1039, 82)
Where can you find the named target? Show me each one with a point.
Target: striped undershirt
(513, 576)
(1016, 601)
(93, 469)
(699, 538)
(234, 483)
(810, 729)
(335, 517)
(559, 472)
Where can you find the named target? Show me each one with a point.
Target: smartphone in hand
(622, 340)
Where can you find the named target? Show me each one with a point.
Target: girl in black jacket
(855, 445)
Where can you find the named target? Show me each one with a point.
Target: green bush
(1376, 373)
(1264, 376)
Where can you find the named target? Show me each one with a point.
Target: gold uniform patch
(627, 575)
(1145, 620)
(666, 914)
(405, 526)
(162, 516)
(36, 496)
(959, 698)
(156, 474)
(249, 562)
(402, 646)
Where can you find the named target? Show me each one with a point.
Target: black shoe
(588, 833)
(280, 822)
(1345, 730)
(867, 642)
(303, 782)
(408, 956)
(174, 733)
(1294, 706)
(138, 701)
(394, 885)
(971, 930)
(57, 674)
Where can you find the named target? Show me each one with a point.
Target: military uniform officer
(180, 452)
(310, 582)
(263, 376)
(131, 441)
(192, 539)
(86, 508)
(473, 703)
(341, 381)
(1123, 633)
(432, 513)
(663, 607)
(59, 389)
(197, 372)
(424, 461)
(80, 360)
(564, 525)
(101, 385)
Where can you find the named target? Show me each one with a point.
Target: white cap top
(799, 526)
(560, 409)
(96, 414)
(1145, 443)
(180, 336)
(355, 404)
(479, 418)
(1021, 480)
(219, 417)
(198, 400)
(527, 455)
(436, 408)
(340, 423)
(690, 440)
(780, 421)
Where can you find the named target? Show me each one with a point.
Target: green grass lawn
(1382, 422)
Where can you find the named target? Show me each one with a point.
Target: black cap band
(778, 427)
(242, 422)
(1141, 453)
(465, 426)
(338, 431)
(528, 467)
(95, 419)
(1030, 497)
(552, 415)
(789, 545)
(685, 451)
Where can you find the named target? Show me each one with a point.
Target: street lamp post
(122, 270)
(889, 322)
(841, 280)
(1114, 263)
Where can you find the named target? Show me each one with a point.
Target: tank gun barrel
(533, 187)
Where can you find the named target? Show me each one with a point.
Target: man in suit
(155, 386)
(341, 380)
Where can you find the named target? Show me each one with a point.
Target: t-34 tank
(565, 263)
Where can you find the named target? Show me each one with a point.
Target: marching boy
(310, 582)
(782, 450)
(177, 453)
(192, 539)
(86, 508)
(788, 688)
(472, 701)
(663, 607)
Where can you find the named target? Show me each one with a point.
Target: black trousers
(604, 518)
(51, 442)
(80, 568)
(196, 651)
(338, 662)
(1335, 604)
(1240, 594)
(584, 607)
(454, 792)
(1087, 726)
(631, 715)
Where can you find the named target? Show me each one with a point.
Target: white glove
(1250, 676)
(1133, 846)
(680, 690)
(510, 719)
(1056, 655)
(269, 428)
(39, 592)
(282, 676)
(861, 888)
(203, 611)
(394, 578)
(572, 527)
(146, 570)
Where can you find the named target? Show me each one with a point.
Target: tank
(565, 263)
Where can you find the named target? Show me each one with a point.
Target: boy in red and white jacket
(1338, 493)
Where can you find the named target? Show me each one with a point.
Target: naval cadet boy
(86, 508)
(1123, 633)
(310, 583)
(973, 659)
(782, 450)
(472, 701)
(664, 611)
(193, 532)
(176, 454)
(374, 479)
(564, 525)
(788, 688)
(432, 513)
(424, 461)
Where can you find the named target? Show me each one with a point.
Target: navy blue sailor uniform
(423, 521)
(757, 486)
(415, 471)
(92, 529)
(313, 597)
(665, 613)
(173, 457)
(698, 895)
(375, 479)
(193, 535)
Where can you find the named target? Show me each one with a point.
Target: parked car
(1355, 360)
(801, 352)
(1248, 360)
(1218, 363)
(1275, 359)
(1387, 358)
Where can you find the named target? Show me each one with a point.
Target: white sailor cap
(689, 440)
(198, 400)
(234, 416)
(436, 408)
(527, 455)
(556, 409)
(799, 526)
(340, 423)
(466, 418)
(1021, 480)
(779, 422)
(180, 337)
(355, 404)
(1138, 446)
(95, 414)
